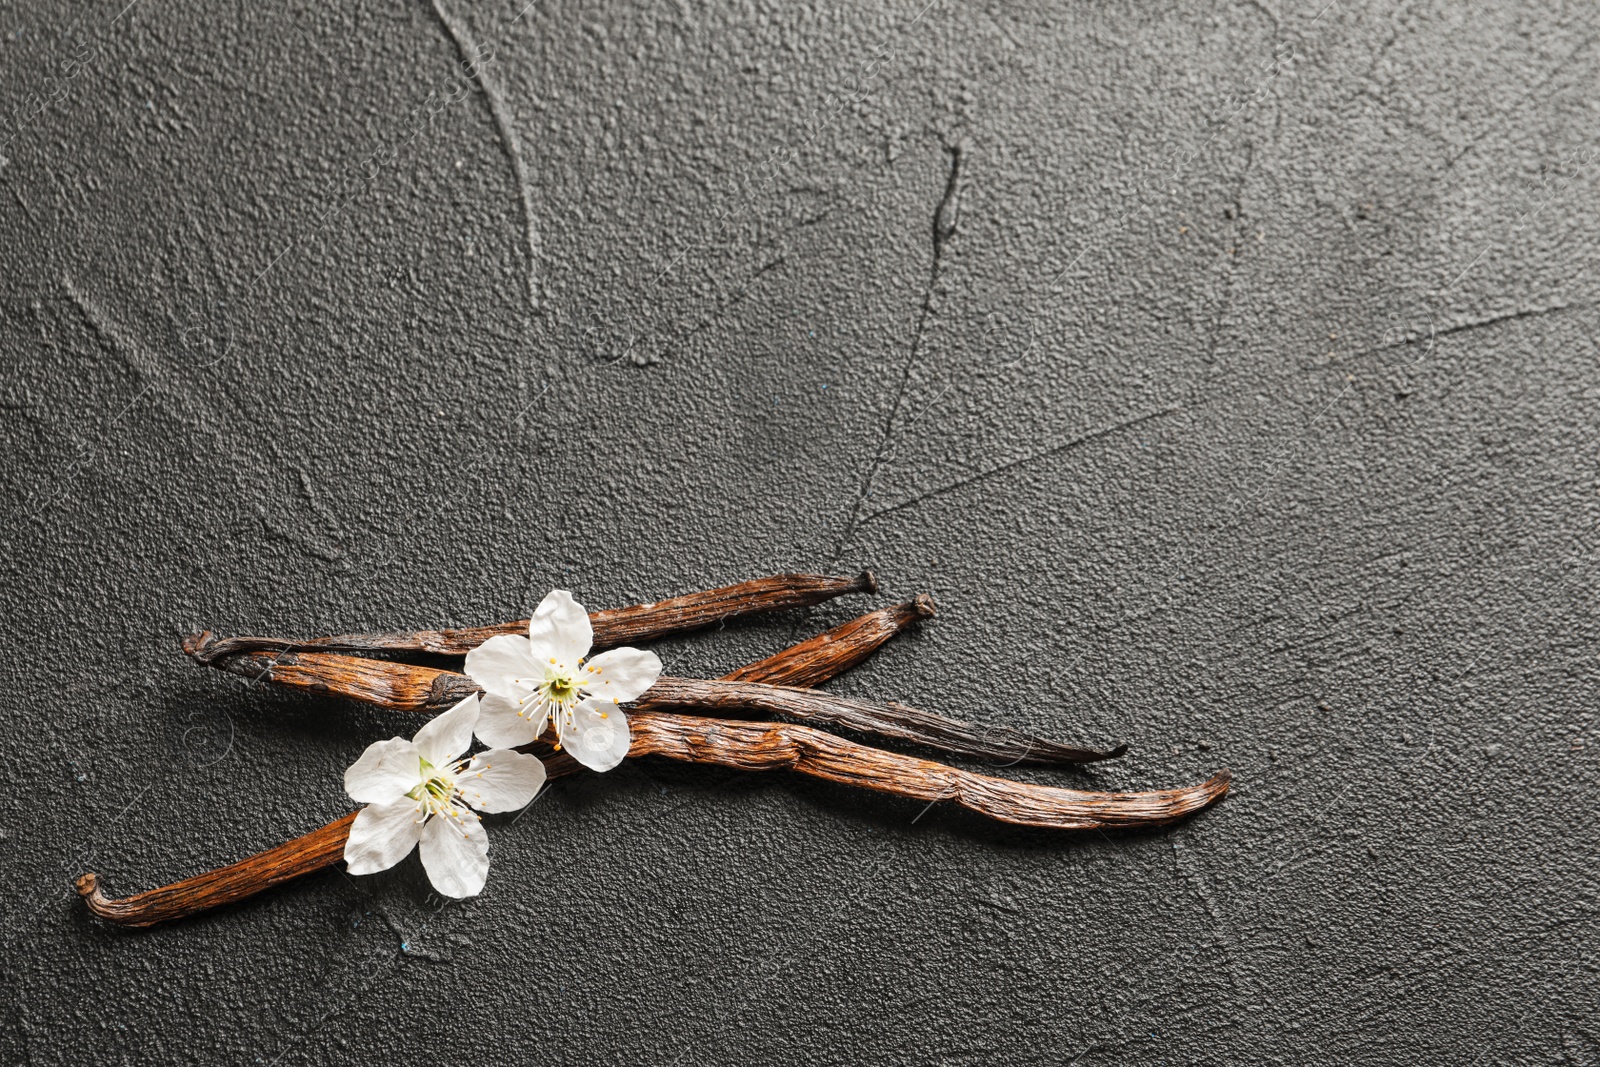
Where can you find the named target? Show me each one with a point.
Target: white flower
(542, 678)
(419, 791)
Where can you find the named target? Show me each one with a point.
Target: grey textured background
(1239, 404)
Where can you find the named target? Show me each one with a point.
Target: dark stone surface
(644, 309)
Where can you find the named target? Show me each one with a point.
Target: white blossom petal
(500, 780)
(560, 630)
(598, 737)
(498, 662)
(386, 771)
(383, 835)
(620, 675)
(445, 737)
(455, 853)
(499, 725)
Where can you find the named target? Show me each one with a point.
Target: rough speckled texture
(640, 307)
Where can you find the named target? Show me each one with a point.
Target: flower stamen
(439, 792)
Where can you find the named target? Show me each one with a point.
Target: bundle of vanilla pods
(692, 720)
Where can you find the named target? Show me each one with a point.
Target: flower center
(553, 697)
(438, 793)
(561, 689)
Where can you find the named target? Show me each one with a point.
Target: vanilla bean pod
(613, 627)
(406, 687)
(817, 659)
(760, 746)
(320, 848)
(812, 662)
(766, 746)
(892, 720)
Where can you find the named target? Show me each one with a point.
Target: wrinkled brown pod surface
(763, 746)
(741, 745)
(398, 686)
(407, 687)
(612, 627)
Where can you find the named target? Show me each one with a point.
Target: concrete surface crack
(1481, 324)
(190, 411)
(1222, 930)
(110, 335)
(1081, 439)
(646, 350)
(27, 207)
(946, 217)
(1509, 316)
(317, 506)
(306, 546)
(1231, 262)
(1382, 51)
(510, 147)
(145, 372)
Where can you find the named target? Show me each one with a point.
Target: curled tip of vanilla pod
(612, 627)
(88, 887)
(748, 746)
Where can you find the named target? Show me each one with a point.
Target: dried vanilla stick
(764, 746)
(306, 854)
(406, 687)
(613, 627)
(893, 720)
